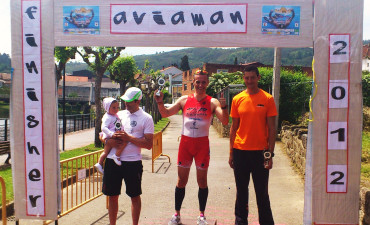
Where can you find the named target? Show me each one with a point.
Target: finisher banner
(180, 18)
(32, 77)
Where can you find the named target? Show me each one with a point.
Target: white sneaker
(99, 168)
(116, 160)
(202, 220)
(175, 220)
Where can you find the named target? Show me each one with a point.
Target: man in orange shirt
(252, 142)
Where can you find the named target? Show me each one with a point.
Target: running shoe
(202, 220)
(175, 220)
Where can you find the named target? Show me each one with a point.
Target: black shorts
(130, 172)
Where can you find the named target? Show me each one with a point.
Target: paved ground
(286, 187)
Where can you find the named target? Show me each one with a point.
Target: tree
(62, 56)
(102, 58)
(219, 81)
(123, 71)
(4, 63)
(184, 65)
(149, 79)
(236, 61)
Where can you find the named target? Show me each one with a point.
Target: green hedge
(366, 88)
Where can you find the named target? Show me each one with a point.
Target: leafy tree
(295, 91)
(101, 58)
(150, 81)
(4, 63)
(184, 65)
(62, 56)
(123, 71)
(219, 81)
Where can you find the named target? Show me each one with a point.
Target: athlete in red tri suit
(198, 110)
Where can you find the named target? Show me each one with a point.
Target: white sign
(337, 135)
(32, 98)
(336, 181)
(181, 18)
(339, 48)
(338, 93)
(81, 174)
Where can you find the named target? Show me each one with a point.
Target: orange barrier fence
(157, 149)
(3, 202)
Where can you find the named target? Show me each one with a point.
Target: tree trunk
(98, 108)
(122, 89)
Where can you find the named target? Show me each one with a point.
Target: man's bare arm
(172, 110)
(234, 127)
(220, 110)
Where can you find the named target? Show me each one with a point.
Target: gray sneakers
(175, 220)
(202, 220)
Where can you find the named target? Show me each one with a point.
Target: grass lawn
(6, 174)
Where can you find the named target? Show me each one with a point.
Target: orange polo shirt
(252, 110)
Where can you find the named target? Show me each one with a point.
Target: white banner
(181, 18)
(32, 98)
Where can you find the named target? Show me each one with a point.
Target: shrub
(366, 88)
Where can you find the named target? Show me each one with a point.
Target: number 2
(336, 180)
(338, 51)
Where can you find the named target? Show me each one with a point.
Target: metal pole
(64, 107)
(276, 80)
(6, 130)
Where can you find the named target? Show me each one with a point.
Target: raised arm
(175, 108)
(220, 109)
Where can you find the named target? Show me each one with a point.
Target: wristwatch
(268, 155)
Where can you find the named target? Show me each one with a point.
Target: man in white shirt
(138, 131)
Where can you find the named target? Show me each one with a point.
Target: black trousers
(246, 163)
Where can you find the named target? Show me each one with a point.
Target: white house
(170, 72)
(366, 57)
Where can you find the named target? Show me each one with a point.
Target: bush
(366, 88)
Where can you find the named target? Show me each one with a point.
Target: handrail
(3, 202)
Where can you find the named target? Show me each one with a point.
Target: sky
(5, 40)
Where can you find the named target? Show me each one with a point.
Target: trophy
(161, 82)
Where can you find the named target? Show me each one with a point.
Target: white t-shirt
(136, 124)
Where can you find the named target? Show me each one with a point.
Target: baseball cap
(132, 94)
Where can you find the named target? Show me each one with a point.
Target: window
(185, 87)
(192, 86)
